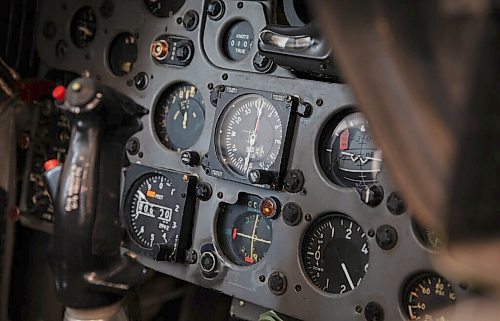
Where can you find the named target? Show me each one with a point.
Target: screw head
(387, 237)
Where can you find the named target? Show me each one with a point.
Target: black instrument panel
(320, 216)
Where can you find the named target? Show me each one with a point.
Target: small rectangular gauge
(157, 212)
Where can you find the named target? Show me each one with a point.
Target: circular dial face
(249, 135)
(122, 54)
(426, 295)
(164, 8)
(335, 253)
(238, 40)
(151, 203)
(244, 235)
(179, 116)
(348, 154)
(83, 27)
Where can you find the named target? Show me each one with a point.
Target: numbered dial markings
(249, 135)
(244, 235)
(348, 154)
(179, 116)
(154, 204)
(335, 254)
(427, 296)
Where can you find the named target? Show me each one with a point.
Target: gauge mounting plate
(278, 116)
(157, 213)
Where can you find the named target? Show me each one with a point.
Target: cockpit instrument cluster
(247, 179)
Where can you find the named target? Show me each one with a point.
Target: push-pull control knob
(190, 158)
(260, 176)
(372, 195)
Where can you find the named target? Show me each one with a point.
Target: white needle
(185, 120)
(347, 276)
(141, 194)
(253, 137)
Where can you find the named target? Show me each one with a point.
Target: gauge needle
(185, 120)
(351, 284)
(141, 194)
(253, 137)
(86, 31)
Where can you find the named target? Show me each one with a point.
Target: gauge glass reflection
(348, 154)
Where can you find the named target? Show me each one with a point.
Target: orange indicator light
(151, 194)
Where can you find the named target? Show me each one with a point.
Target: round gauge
(429, 237)
(426, 295)
(249, 135)
(244, 235)
(179, 116)
(83, 27)
(151, 203)
(122, 54)
(164, 8)
(238, 40)
(348, 154)
(335, 253)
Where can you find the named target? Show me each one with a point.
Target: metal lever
(85, 257)
(300, 49)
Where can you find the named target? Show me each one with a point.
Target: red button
(58, 93)
(50, 164)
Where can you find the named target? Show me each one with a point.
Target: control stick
(90, 273)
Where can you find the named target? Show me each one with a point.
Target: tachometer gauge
(83, 27)
(158, 210)
(335, 253)
(425, 297)
(179, 116)
(164, 8)
(244, 235)
(348, 154)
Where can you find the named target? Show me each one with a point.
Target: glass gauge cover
(244, 235)
(335, 253)
(426, 295)
(83, 27)
(122, 54)
(348, 154)
(179, 116)
(238, 40)
(249, 135)
(158, 210)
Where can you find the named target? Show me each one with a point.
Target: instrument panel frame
(388, 270)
